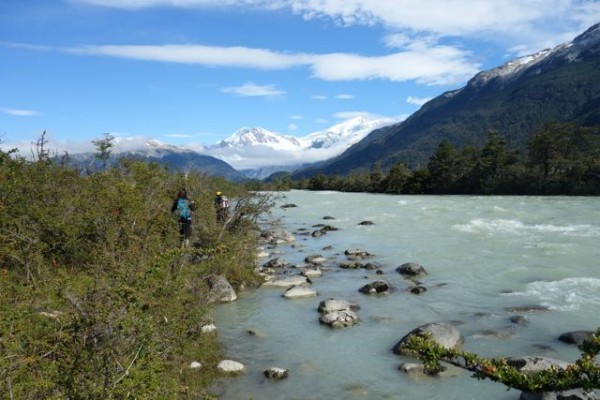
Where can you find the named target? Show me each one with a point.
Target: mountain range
(514, 100)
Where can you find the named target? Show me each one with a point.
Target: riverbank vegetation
(98, 300)
(561, 159)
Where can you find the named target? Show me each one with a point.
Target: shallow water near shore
(484, 255)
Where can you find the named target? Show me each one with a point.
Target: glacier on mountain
(258, 148)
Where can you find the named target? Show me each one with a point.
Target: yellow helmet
(219, 193)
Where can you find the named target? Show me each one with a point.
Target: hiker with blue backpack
(183, 208)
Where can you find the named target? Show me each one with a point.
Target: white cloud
(344, 97)
(322, 121)
(438, 65)
(18, 112)
(547, 19)
(250, 89)
(179, 135)
(419, 101)
(319, 97)
(292, 127)
(216, 56)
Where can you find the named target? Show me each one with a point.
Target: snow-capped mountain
(344, 134)
(260, 136)
(259, 152)
(538, 62)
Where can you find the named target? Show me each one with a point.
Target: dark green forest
(560, 159)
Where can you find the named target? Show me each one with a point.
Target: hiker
(222, 208)
(184, 207)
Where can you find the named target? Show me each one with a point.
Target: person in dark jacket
(183, 208)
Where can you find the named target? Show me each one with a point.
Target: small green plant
(582, 374)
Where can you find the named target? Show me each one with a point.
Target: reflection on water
(484, 255)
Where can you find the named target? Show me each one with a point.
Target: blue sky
(192, 72)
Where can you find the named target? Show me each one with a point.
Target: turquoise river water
(484, 255)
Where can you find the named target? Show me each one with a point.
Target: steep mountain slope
(515, 99)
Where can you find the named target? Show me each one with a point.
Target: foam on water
(515, 226)
(568, 294)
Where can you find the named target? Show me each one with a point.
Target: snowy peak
(344, 134)
(509, 70)
(259, 136)
(587, 42)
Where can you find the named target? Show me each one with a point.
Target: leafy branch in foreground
(582, 374)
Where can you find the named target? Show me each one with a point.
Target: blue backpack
(183, 208)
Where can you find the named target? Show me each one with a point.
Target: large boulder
(576, 337)
(444, 334)
(220, 290)
(411, 269)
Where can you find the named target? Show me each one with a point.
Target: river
(483, 254)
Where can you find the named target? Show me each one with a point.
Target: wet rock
(411, 269)
(276, 373)
(275, 263)
(317, 234)
(358, 253)
(287, 282)
(315, 259)
(366, 223)
(379, 272)
(574, 394)
(519, 320)
(528, 309)
(315, 272)
(576, 337)
(299, 291)
(351, 265)
(412, 368)
(339, 319)
(230, 367)
(444, 334)
(417, 289)
(277, 235)
(533, 364)
(330, 305)
(290, 205)
(327, 248)
(262, 254)
(220, 290)
(370, 266)
(328, 217)
(377, 287)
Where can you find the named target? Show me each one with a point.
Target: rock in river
(444, 334)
